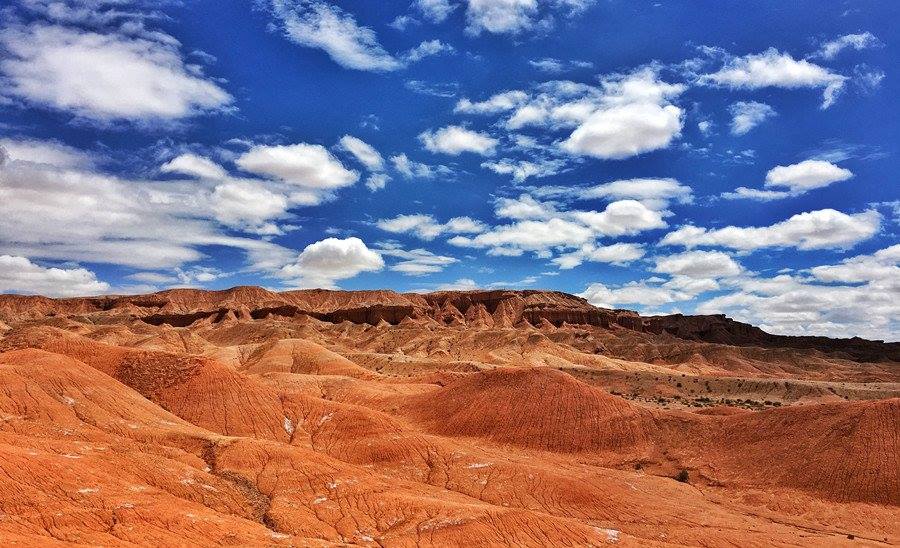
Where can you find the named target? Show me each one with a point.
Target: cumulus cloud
(631, 116)
(772, 68)
(317, 24)
(698, 265)
(322, 25)
(633, 293)
(792, 180)
(436, 11)
(51, 153)
(81, 214)
(137, 79)
(653, 193)
(363, 152)
(622, 217)
(543, 228)
(830, 50)
(746, 115)
(822, 229)
(522, 170)
(427, 227)
(324, 263)
(858, 296)
(879, 266)
(626, 131)
(20, 275)
(746, 193)
(552, 65)
(619, 254)
(500, 102)
(411, 169)
(500, 16)
(194, 166)
(454, 140)
(303, 165)
(428, 48)
(626, 115)
(517, 16)
(416, 262)
(248, 206)
(807, 175)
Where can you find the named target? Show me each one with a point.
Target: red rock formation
(309, 418)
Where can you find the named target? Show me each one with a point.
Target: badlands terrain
(528, 418)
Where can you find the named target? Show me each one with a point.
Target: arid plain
(250, 417)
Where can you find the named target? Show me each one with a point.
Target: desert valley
(306, 418)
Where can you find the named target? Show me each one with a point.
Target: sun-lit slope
(200, 390)
(251, 417)
(539, 408)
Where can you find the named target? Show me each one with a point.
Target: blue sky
(658, 156)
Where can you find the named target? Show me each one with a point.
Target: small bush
(683, 476)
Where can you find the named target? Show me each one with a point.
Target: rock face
(721, 329)
(184, 307)
(479, 418)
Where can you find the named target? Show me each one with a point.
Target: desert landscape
(480, 418)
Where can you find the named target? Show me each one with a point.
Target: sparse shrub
(683, 476)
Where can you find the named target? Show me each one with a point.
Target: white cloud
(772, 68)
(542, 228)
(626, 115)
(79, 214)
(628, 130)
(653, 193)
(860, 297)
(523, 169)
(195, 166)
(830, 50)
(51, 153)
(524, 207)
(500, 102)
(527, 235)
(304, 165)
(105, 77)
(618, 254)
(744, 193)
(436, 11)
(746, 115)
(698, 265)
(20, 275)
(461, 284)
(401, 22)
(377, 181)
(428, 48)
(427, 228)
(807, 175)
(363, 151)
(632, 115)
(455, 140)
(500, 16)
(793, 180)
(323, 263)
(825, 228)
(880, 266)
(248, 206)
(551, 65)
(620, 218)
(317, 24)
(417, 262)
(634, 293)
(411, 169)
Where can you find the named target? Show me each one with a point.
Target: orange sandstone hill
(480, 418)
